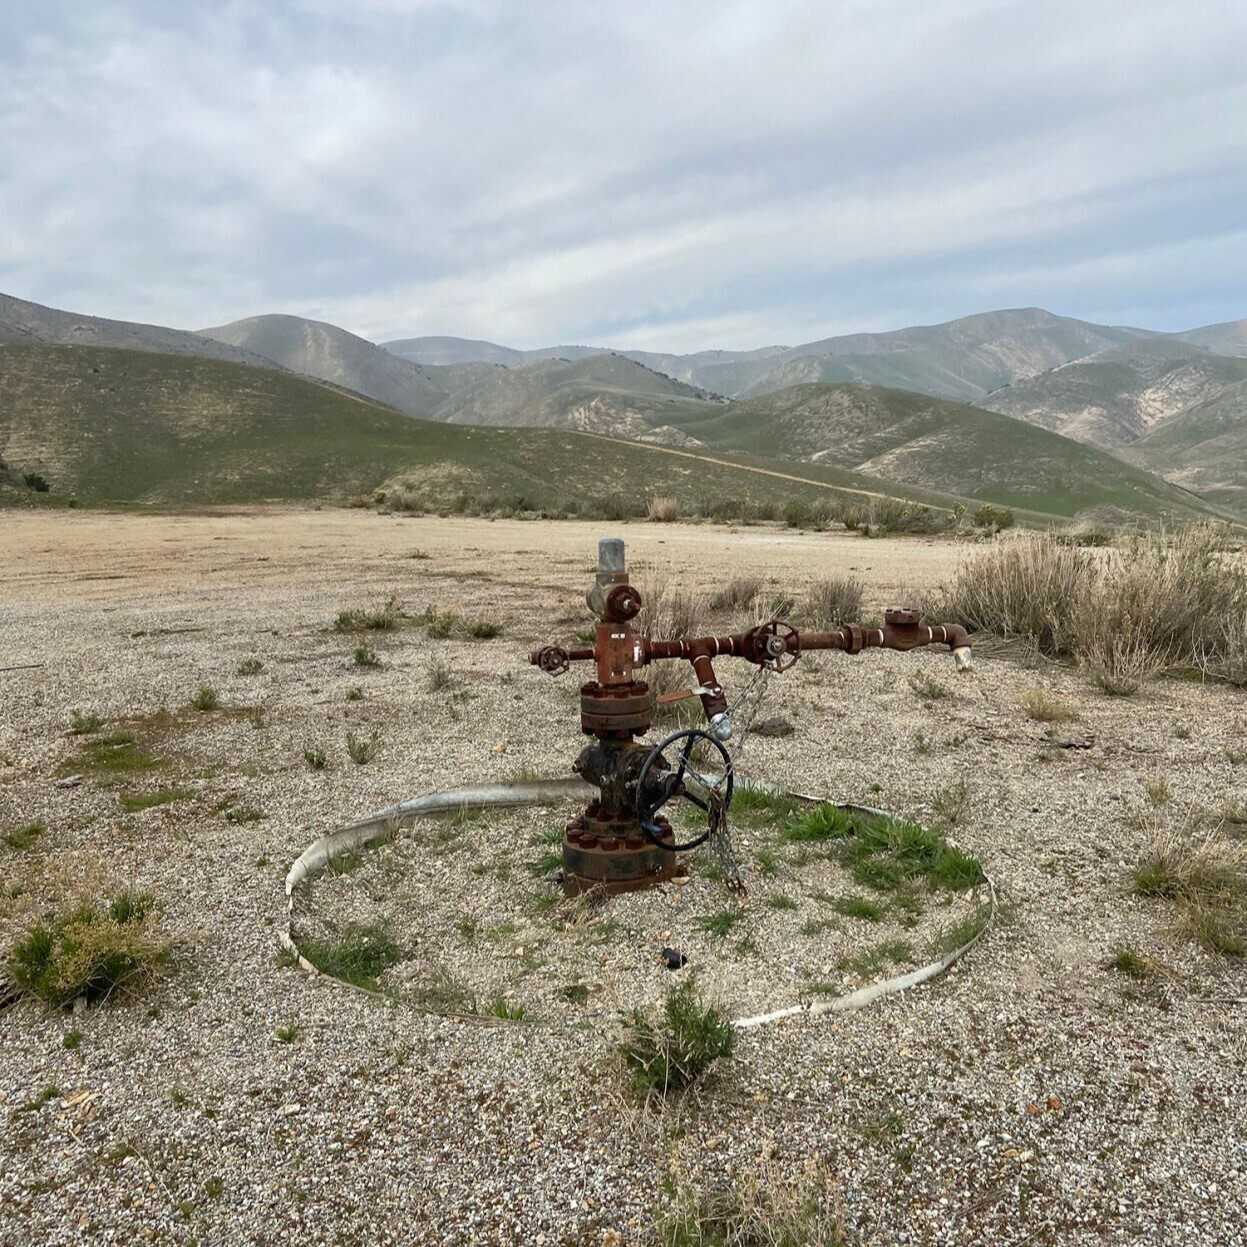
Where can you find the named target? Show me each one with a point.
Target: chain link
(743, 711)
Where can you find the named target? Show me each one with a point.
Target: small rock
(70, 781)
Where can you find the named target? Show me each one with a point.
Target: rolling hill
(1203, 447)
(597, 394)
(29, 323)
(1228, 338)
(961, 359)
(898, 435)
(1117, 396)
(112, 425)
(315, 349)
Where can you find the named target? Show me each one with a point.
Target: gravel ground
(1032, 1095)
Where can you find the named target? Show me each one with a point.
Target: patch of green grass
(670, 1053)
(1205, 876)
(90, 951)
(482, 629)
(499, 1007)
(84, 724)
(888, 853)
(1132, 963)
(206, 698)
(358, 955)
(132, 803)
(961, 933)
(823, 822)
(71, 1040)
(316, 758)
(721, 922)
(781, 901)
(288, 1034)
(250, 666)
(818, 926)
(116, 753)
(873, 961)
(859, 907)
(575, 993)
(443, 993)
(355, 693)
(23, 837)
(365, 656)
(548, 862)
(767, 861)
(754, 804)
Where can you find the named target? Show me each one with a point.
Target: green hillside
(110, 425)
(930, 443)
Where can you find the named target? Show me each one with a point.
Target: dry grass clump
(1223, 651)
(1025, 587)
(738, 594)
(91, 950)
(764, 1204)
(1127, 613)
(831, 602)
(1205, 875)
(384, 618)
(670, 611)
(663, 510)
(1044, 708)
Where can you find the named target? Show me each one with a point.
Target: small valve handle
(552, 659)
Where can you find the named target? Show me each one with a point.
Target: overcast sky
(670, 175)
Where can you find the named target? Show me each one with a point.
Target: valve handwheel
(648, 805)
(778, 643)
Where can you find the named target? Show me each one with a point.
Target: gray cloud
(653, 175)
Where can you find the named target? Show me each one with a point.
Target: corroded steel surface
(621, 843)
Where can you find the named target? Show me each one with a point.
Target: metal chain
(743, 712)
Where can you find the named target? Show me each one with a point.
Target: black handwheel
(648, 804)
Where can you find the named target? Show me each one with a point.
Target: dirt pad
(1033, 1095)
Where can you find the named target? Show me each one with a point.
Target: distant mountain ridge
(1105, 386)
(961, 359)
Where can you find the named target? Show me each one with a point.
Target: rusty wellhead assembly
(622, 842)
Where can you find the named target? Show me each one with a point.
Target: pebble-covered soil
(1035, 1094)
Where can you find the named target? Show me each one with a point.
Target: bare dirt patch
(1038, 1093)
